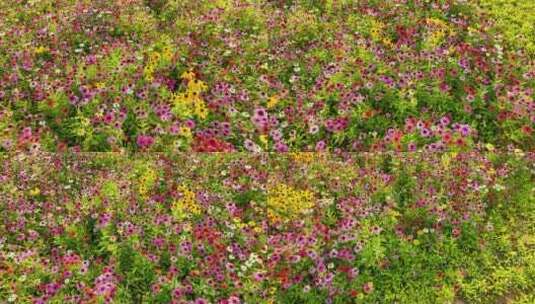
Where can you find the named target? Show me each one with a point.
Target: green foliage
(138, 273)
(515, 19)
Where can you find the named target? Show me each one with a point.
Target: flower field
(267, 151)
(268, 228)
(283, 75)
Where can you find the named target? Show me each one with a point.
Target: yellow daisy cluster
(35, 192)
(237, 222)
(376, 30)
(146, 182)
(190, 103)
(303, 157)
(285, 203)
(186, 205)
(40, 50)
(157, 57)
(272, 101)
(186, 132)
(148, 71)
(439, 30)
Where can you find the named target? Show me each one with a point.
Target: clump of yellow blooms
(186, 205)
(239, 224)
(376, 30)
(286, 203)
(190, 103)
(272, 101)
(40, 50)
(156, 58)
(35, 192)
(146, 181)
(264, 140)
(438, 31)
(304, 157)
(148, 71)
(186, 132)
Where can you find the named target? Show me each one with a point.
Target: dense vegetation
(314, 75)
(267, 151)
(288, 228)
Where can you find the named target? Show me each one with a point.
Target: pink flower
(320, 145)
(368, 287)
(145, 141)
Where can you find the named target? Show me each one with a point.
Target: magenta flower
(144, 141)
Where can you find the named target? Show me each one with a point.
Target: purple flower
(465, 130)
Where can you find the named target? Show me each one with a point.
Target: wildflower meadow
(267, 151)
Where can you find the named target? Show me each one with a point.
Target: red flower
(210, 144)
(527, 129)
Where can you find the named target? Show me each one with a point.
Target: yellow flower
(182, 105)
(167, 53)
(388, 42)
(40, 49)
(264, 140)
(148, 72)
(305, 157)
(195, 85)
(185, 131)
(146, 182)
(186, 205)
(200, 109)
(35, 192)
(285, 203)
(189, 75)
(376, 31)
(154, 57)
(272, 101)
(190, 102)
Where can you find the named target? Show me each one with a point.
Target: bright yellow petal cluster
(40, 50)
(186, 205)
(438, 31)
(146, 181)
(188, 75)
(272, 102)
(285, 203)
(186, 132)
(190, 102)
(304, 157)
